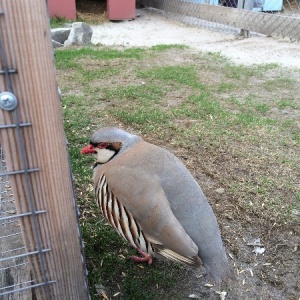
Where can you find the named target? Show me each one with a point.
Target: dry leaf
(251, 273)
(100, 289)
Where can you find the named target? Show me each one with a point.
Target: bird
(152, 200)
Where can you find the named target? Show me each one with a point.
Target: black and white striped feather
(126, 225)
(120, 218)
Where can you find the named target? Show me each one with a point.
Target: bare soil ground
(152, 27)
(275, 273)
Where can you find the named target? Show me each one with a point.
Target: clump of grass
(57, 22)
(65, 57)
(284, 103)
(167, 47)
(143, 94)
(186, 75)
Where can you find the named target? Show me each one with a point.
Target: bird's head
(105, 151)
(107, 143)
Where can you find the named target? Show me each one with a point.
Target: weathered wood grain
(25, 33)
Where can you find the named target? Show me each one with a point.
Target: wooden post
(25, 35)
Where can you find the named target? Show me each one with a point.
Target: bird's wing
(144, 198)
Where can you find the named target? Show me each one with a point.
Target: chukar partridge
(152, 200)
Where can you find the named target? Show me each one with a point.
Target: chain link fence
(277, 18)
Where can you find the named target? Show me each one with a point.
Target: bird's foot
(146, 257)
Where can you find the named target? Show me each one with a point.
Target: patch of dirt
(151, 28)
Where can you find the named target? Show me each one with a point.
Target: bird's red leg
(146, 257)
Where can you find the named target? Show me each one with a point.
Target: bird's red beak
(88, 149)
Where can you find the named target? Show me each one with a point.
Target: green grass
(279, 83)
(67, 58)
(262, 108)
(201, 106)
(226, 118)
(186, 75)
(285, 103)
(225, 87)
(57, 22)
(140, 93)
(167, 47)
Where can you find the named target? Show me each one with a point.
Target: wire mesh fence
(280, 18)
(15, 275)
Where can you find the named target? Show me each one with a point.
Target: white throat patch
(104, 155)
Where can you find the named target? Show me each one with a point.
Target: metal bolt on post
(8, 101)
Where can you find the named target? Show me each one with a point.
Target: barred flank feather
(119, 217)
(125, 224)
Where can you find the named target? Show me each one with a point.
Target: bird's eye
(102, 145)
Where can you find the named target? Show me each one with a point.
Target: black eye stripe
(109, 146)
(103, 144)
(94, 144)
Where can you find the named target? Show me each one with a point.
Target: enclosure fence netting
(40, 241)
(277, 18)
(14, 257)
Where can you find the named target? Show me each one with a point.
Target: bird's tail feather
(170, 254)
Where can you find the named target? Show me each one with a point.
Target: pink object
(121, 9)
(146, 257)
(63, 9)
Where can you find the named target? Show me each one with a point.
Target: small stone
(60, 35)
(220, 190)
(81, 34)
(259, 250)
(56, 44)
